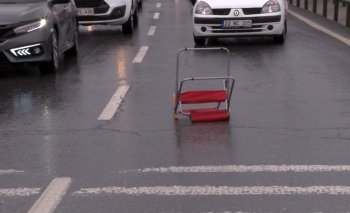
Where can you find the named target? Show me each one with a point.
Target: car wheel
(128, 27)
(285, 26)
(280, 39)
(136, 16)
(140, 4)
(74, 50)
(52, 65)
(199, 41)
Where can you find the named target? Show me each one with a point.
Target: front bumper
(262, 25)
(42, 38)
(116, 15)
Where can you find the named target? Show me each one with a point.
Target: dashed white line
(21, 192)
(9, 171)
(114, 103)
(152, 30)
(51, 197)
(244, 168)
(217, 190)
(159, 5)
(314, 25)
(140, 55)
(156, 16)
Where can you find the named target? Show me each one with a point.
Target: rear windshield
(19, 1)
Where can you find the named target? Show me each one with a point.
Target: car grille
(254, 28)
(221, 12)
(251, 11)
(87, 3)
(3, 59)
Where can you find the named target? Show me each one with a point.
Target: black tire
(128, 27)
(280, 39)
(52, 65)
(285, 26)
(136, 16)
(139, 4)
(75, 49)
(199, 41)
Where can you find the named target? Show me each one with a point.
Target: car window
(19, 1)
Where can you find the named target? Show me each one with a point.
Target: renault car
(227, 18)
(36, 32)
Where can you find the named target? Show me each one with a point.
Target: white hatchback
(234, 18)
(109, 12)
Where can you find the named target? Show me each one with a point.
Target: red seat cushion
(204, 96)
(210, 115)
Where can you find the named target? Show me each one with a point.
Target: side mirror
(60, 1)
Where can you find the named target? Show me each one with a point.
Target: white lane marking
(156, 16)
(152, 30)
(159, 5)
(219, 190)
(243, 168)
(140, 55)
(9, 171)
(22, 192)
(51, 197)
(114, 103)
(314, 25)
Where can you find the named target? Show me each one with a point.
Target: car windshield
(19, 1)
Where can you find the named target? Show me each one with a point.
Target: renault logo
(236, 13)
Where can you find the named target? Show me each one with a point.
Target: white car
(233, 18)
(109, 12)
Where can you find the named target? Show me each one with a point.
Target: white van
(109, 12)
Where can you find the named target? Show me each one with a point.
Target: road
(285, 149)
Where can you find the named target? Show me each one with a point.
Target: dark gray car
(36, 32)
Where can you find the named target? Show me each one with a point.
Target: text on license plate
(85, 11)
(236, 23)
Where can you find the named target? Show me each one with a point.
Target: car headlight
(271, 6)
(203, 9)
(30, 27)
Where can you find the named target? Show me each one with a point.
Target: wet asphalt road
(290, 106)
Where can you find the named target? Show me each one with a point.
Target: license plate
(85, 11)
(236, 23)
